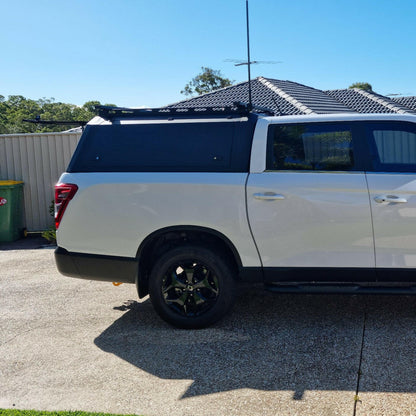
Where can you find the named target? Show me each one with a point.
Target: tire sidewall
(213, 261)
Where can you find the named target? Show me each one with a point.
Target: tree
(208, 80)
(3, 118)
(89, 106)
(16, 108)
(362, 86)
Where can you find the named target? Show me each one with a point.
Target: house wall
(38, 160)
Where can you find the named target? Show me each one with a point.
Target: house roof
(363, 101)
(283, 97)
(409, 102)
(262, 95)
(292, 98)
(312, 100)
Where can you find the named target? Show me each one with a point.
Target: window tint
(310, 147)
(204, 146)
(394, 146)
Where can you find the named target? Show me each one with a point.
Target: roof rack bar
(109, 113)
(37, 120)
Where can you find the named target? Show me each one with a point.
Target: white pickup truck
(185, 203)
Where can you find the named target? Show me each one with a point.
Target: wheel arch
(160, 241)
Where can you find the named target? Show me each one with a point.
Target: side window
(165, 147)
(394, 146)
(310, 147)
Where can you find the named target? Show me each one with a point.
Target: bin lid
(10, 183)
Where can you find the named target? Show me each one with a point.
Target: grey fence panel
(38, 160)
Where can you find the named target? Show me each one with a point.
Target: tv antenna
(240, 62)
(249, 62)
(399, 94)
(250, 104)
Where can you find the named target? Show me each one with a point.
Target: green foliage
(89, 106)
(50, 235)
(362, 86)
(16, 108)
(208, 80)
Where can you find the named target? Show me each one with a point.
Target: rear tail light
(64, 192)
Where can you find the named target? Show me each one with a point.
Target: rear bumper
(96, 267)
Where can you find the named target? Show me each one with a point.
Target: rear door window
(393, 146)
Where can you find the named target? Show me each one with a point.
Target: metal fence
(38, 160)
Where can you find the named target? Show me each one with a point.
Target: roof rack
(238, 109)
(37, 120)
(110, 113)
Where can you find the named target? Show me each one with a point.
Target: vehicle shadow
(28, 243)
(269, 342)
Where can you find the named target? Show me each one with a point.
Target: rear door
(392, 186)
(309, 207)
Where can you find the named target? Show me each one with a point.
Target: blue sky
(136, 52)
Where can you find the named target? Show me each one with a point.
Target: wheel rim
(190, 288)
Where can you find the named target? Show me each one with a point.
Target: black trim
(251, 274)
(316, 277)
(319, 274)
(396, 275)
(339, 275)
(96, 267)
(341, 289)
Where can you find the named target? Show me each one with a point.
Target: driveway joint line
(357, 389)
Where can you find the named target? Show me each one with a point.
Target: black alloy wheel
(191, 287)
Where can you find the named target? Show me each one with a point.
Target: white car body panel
(324, 219)
(259, 146)
(112, 213)
(394, 223)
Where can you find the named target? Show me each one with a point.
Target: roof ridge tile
(300, 106)
(380, 100)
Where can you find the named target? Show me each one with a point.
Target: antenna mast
(248, 60)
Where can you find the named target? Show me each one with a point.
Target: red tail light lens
(64, 192)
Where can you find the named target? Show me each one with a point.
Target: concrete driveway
(68, 344)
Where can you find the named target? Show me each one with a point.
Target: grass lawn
(15, 412)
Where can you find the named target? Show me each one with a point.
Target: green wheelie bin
(11, 210)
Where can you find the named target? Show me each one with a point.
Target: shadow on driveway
(31, 242)
(271, 342)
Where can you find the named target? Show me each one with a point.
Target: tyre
(191, 286)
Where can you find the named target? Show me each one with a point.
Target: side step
(319, 288)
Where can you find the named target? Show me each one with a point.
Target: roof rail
(37, 120)
(110, 113)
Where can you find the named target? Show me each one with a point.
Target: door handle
(269, 196)
(390, 198)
